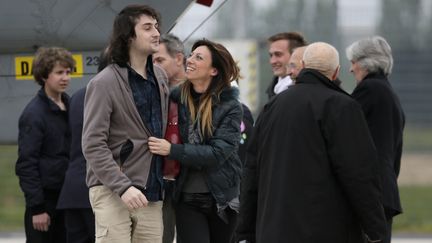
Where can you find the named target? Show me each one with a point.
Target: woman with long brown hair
(209, 116)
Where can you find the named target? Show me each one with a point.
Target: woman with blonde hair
(209, 116)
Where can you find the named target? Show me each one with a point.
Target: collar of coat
(230, 93)
(376, 75)
(51, 104)
(312, 76)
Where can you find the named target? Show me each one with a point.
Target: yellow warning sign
(78, 70)
(23, 67)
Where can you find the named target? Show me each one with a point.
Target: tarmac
(20, 238)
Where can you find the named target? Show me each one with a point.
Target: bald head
(295, 65)
(322, 57)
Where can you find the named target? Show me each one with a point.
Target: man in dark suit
(74, 197)
(311, 168)
(371, 63)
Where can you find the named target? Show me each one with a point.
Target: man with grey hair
(371, 63)
(171, 58)
(313, 178)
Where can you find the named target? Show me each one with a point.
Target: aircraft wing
(74, 24)
(81, 26)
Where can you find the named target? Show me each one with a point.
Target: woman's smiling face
(199, 69)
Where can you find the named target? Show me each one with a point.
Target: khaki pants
(116, 223)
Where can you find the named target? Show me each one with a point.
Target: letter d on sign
(23, 67)
(25, 70)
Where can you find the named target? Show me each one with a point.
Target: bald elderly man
(295, 62)
(313, 178)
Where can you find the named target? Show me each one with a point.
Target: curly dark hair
(45, 60)
(124, 30)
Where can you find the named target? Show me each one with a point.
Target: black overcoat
(311, 169)
(386, 121)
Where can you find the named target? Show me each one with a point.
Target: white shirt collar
(282, 84)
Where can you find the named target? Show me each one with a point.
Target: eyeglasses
(292, 66)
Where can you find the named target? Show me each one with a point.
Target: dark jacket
(311, 169)
(75, 193)
(43, 150)
(386, 121)
(270, 89)
(217, 156)
(246, 128)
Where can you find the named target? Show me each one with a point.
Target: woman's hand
(159, 146)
